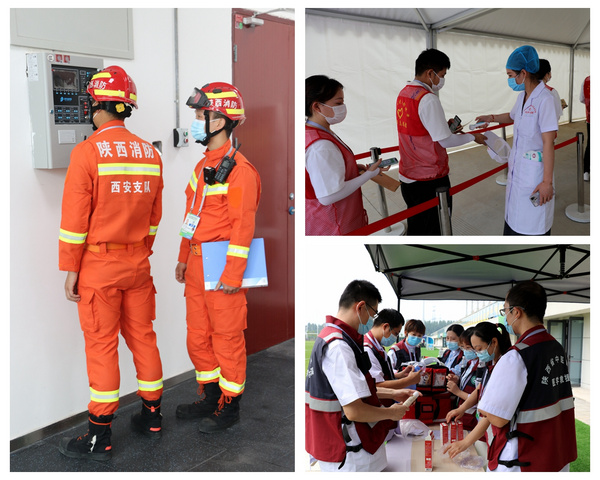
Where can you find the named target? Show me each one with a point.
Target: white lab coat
(525, 167)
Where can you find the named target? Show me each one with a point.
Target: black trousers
(428, 222)
(510, 232)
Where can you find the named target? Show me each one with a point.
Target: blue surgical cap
(524, 58)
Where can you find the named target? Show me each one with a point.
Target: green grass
(582, 430)
(308, 346)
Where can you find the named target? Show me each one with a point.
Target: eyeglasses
(509, 309)
(376, 312)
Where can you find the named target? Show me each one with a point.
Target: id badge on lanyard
(191, 221)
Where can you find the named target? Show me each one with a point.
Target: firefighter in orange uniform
(217, 211)
(112, 204)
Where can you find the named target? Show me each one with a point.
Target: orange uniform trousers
(215, 331)
(117, 294)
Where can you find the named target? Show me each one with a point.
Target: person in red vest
(584, 97)
(385, 331)
(346, 424)
(453, 355)
(333, 179)
(423, 137)
(529, 398)
(464, 384)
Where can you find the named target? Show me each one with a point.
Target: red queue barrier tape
(409, 212)
(395, 149)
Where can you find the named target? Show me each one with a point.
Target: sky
(329, 265)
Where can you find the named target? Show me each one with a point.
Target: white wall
(48, 380)
(374, 62)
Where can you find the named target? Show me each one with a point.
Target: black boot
(209, 399)
(149, 420)
(94, 445)
(226, 415)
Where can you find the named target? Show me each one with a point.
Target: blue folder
(214, 257)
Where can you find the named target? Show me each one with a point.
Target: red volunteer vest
(456, 361)
(340, 217)
(420, 157)
(384, 362)
(544, 422)
(323, 413)
(586, 96)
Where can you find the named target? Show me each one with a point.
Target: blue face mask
(413, 340)
(509, 328)
(388, 341)
(470, 354)
(453, 346)
(198, 130)
(365, 327)
(517, 87)
(485, 356)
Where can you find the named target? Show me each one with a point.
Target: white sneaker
(586, 176)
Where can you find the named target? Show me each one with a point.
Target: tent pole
(571, 68)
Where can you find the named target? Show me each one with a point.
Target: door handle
(291, 210)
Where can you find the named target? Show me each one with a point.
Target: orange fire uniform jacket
(228, 211)
(112, 198)
(112, 193)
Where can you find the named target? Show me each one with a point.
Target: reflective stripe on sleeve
(104, 397)
(153, 230)
(72, 237)
(128, 169)
(237, 251)
(194, 182)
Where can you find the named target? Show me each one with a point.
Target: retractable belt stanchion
(578, 212)
(443, 210)
(375, 152)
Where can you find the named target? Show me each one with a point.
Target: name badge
(189, 226)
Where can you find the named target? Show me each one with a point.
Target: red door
(263, 70)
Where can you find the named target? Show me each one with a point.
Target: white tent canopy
(561, 26)
(483, 272)
(372, 51)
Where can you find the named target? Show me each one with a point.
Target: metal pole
(579, 212)
(580, 207)
(444, 211)
(375, 152)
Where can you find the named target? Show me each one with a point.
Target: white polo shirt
(349, 384)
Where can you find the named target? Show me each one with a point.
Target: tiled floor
(263, 440)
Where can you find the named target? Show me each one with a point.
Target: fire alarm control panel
(59, 105)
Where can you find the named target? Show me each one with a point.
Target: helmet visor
(198, 99)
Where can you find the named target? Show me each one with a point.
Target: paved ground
(263, 441)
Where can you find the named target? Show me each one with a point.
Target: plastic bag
(466, 460)
(412, 429)
(498, 149)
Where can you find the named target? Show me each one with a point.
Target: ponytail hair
(487, 331)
